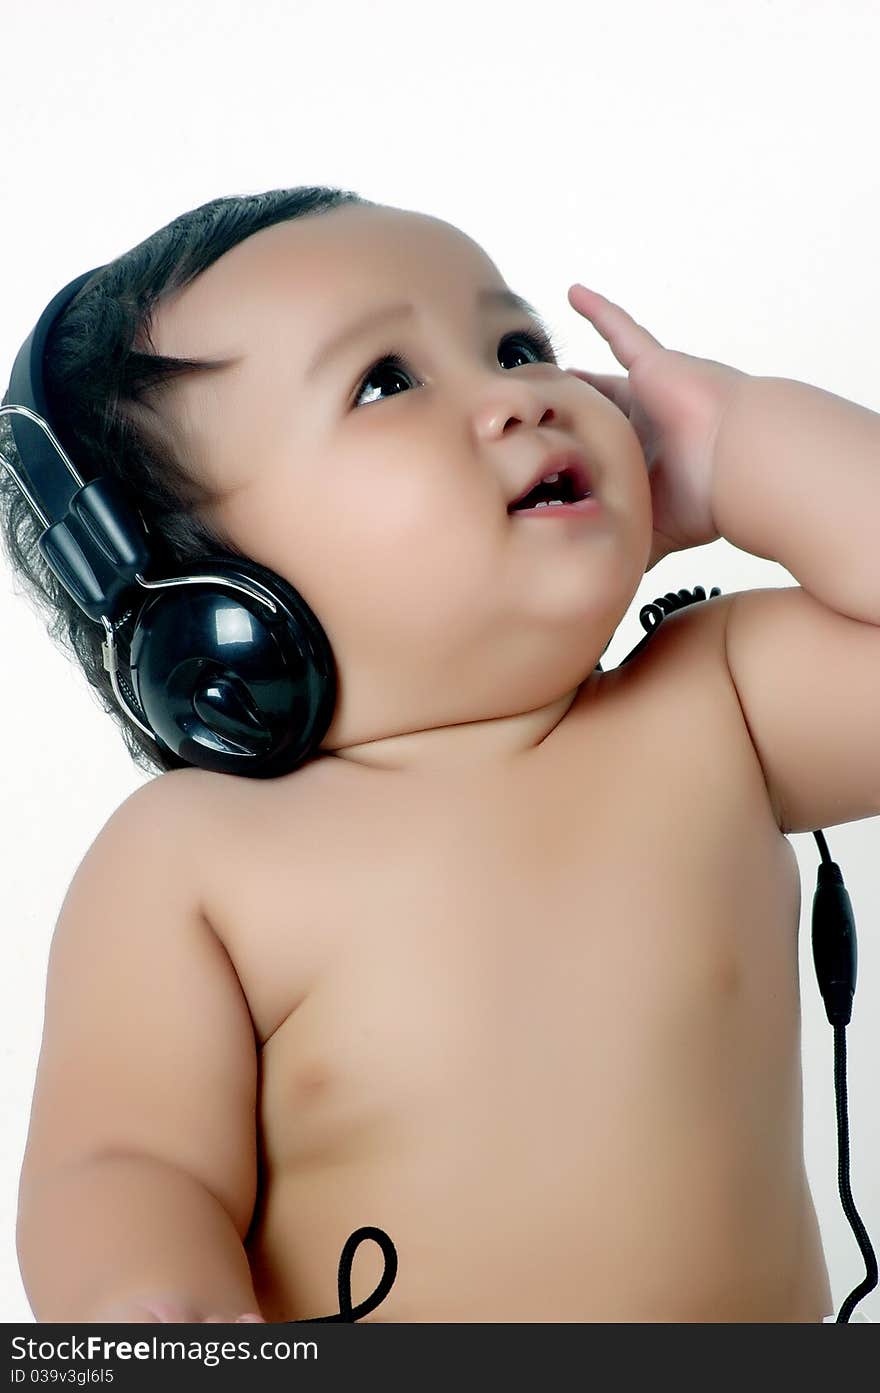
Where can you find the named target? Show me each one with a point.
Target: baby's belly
(582, 1134)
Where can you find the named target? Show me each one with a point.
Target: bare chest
(630, 885)
(485, 998)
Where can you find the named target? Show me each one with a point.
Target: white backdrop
(712, 168)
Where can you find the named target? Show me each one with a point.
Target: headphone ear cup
(225, 684)
(225, 705)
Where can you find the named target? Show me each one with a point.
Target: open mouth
(557, 490)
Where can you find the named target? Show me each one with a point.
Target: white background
(711, 167)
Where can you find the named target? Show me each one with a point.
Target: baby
(509, 969)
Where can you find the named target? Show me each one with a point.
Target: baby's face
(380, 491)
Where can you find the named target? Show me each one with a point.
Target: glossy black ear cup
(223, 682)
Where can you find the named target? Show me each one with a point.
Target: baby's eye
(392, 365)
(389, 366)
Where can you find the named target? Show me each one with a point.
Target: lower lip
(583, 505)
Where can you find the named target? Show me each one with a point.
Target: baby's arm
(130, 1239)
(139, 1176)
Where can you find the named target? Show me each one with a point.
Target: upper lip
(571, 461)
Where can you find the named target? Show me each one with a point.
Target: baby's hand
(250, 1318)
(674, 403)
(168, 1313)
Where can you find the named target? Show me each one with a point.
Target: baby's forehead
(299, 279)
(268, 305)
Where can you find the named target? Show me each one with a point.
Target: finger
(611, 385)
(126, 1315)
(173, 1313)
(248, 1319)
(625, 337)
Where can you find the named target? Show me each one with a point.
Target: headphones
(230, 670)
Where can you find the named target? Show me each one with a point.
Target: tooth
(550, 478)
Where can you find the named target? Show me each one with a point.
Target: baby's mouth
(557, 490)
(565, 481)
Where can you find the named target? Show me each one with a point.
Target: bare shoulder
(166, 819)
(687, 646)
(166, 805)
(209, 829)
(680, 682)
(802, 731)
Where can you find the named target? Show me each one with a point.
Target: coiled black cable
(386, 1281)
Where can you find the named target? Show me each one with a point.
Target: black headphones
(235, 674)
(229, 668)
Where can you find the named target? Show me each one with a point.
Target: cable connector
(834, 943)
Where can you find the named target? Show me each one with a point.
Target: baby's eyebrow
(490, 295)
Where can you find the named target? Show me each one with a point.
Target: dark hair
(97, 386)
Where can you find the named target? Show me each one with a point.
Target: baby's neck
(457, 748)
